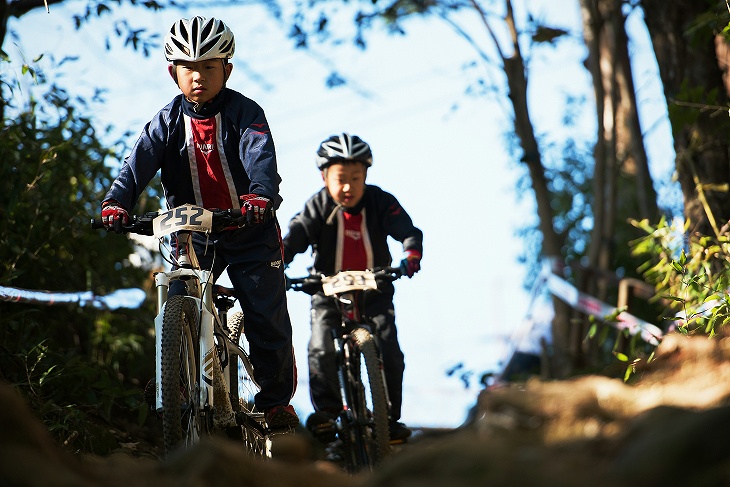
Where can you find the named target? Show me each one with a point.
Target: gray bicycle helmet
(343, 147)
(199, 39)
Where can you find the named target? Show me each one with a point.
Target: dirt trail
(670, 428)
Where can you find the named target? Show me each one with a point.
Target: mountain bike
(362, 424)
(204, 379)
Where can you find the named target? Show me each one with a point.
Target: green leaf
(592, 330)
(622, 357)
(627, 374)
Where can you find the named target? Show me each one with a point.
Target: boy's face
(345, 182)
(200, 81)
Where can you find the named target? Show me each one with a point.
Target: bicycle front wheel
(182, 420)
(370, 407)
(244, 388)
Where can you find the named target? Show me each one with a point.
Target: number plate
(348, 281)
(189, 217)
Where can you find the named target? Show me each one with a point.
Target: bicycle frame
(363, 430)
(189, 271)
(216, 395)
(342, 337)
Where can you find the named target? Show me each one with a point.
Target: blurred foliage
(690, 277)
(70, 362)
(690, 271)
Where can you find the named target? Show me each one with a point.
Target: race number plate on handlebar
(348, 281)
(193, 218)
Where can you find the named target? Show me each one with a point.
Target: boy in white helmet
(347, 224)
(213, 148)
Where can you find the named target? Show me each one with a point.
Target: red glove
(113, 216)
(256, 209)
(411, 262)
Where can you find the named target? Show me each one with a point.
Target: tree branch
(19, 8)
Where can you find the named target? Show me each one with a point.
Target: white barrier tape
(705, 309)
(122, 298)
(587, 304)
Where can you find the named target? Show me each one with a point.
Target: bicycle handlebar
(312, 284)
(142, 224)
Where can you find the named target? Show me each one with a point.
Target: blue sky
(448, 167)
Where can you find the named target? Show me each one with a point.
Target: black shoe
(281, 417)
(322, 426)
(399, 431)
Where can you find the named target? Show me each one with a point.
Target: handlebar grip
(308, 285)
(388, 273)
(141, 225)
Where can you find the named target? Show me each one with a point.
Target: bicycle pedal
(334, 456)
(149, 394)
(281, 430)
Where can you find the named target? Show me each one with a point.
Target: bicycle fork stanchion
(211, 375)
(162, 284)
(207, 346)
(341, 374)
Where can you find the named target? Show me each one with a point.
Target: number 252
(181, 217)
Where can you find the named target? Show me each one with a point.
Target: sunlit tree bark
(552, 243)
(683, 33)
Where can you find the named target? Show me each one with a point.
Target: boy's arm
(398, 224)
(303, 229)
(259, 158)
(295, 241)
(141, 165)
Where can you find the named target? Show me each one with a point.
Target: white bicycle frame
(193, 219)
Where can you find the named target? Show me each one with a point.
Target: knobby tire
(182, 420)
(243, 392)
(372, 443)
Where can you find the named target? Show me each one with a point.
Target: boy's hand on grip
(256, 209)
(411, 262)
(114, 216)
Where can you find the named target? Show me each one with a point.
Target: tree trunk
(622, 181)
(693, 81)
(552, 244)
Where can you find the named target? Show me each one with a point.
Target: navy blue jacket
(247, 145)
(316, 226)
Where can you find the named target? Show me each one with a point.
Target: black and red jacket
(237, 130)
(320, 223)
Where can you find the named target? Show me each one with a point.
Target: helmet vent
(206, 30)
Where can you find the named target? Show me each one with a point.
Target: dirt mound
(669, 428)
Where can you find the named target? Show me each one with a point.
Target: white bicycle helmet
(343, 147)
(199, 39)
